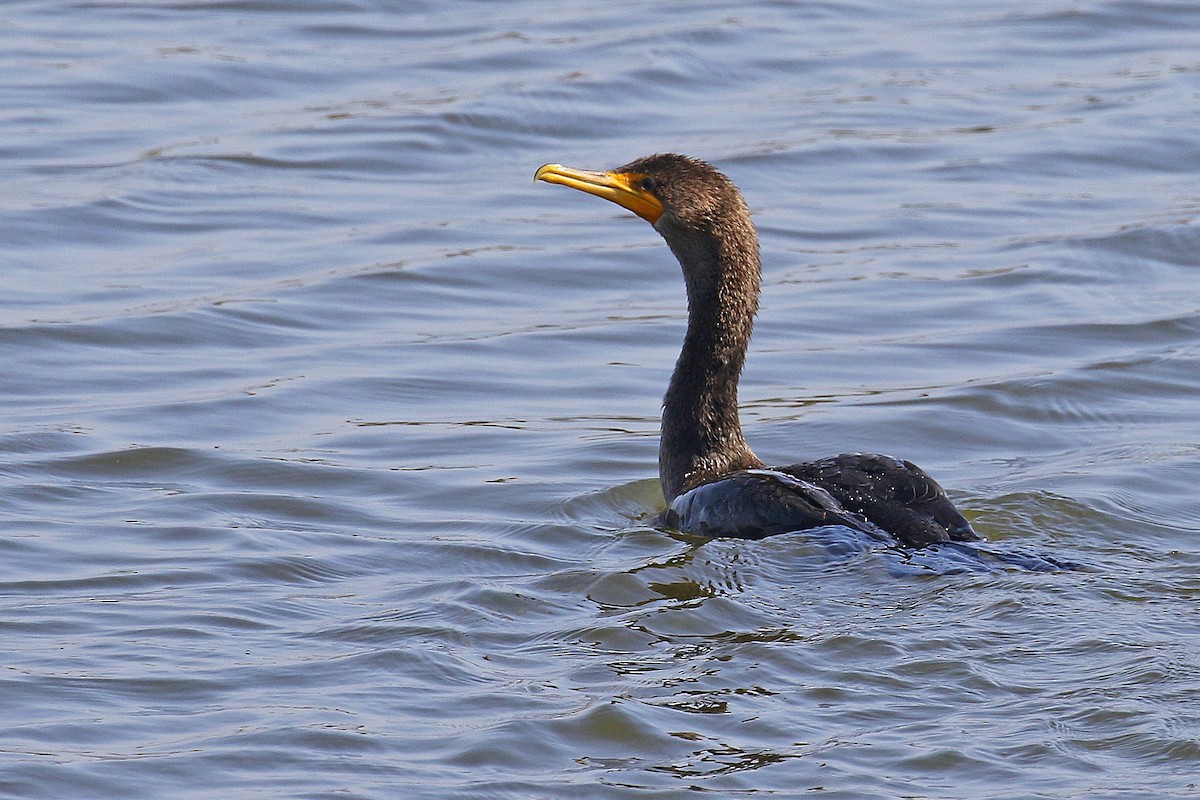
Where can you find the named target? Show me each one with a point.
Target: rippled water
(329, 444)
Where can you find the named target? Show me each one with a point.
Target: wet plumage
(713, 482)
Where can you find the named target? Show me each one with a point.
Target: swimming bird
(713, 482)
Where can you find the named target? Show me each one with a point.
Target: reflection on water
(330, 441)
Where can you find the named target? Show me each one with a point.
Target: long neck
(701, 430)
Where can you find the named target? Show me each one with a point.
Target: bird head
(693, 193)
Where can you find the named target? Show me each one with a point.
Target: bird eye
(649, 184)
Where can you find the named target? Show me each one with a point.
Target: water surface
(329, 445)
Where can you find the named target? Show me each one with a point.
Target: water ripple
(329, 462)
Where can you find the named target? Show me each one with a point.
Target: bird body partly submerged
(713, 482)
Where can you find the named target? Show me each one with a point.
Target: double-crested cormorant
(713, 483)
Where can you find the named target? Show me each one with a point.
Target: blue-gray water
(328, 450)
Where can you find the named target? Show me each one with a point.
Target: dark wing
(757, 503)
(894, 494)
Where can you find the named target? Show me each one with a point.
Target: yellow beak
(622, 188)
